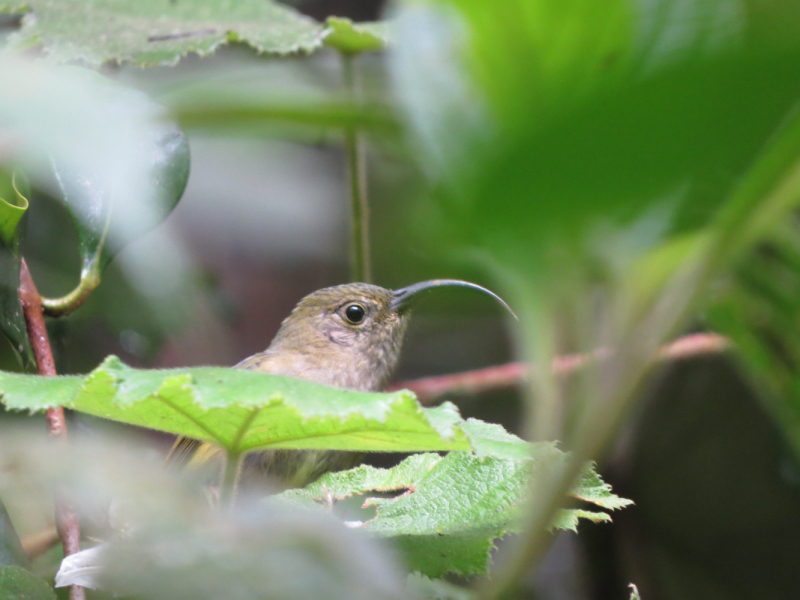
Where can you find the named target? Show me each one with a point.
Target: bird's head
(350, 335)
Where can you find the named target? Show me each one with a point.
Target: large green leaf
(449, 510)
(14, 194)
(587, 114)
(245, 410)
(568, 141)
(153, 32)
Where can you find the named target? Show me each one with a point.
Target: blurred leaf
(153, 32)
(450, 509)
(11, 552)
(282, 555)
(18, 584)
(759, 308)
(97, 140)
(235, 111)
(14, 194)
(590, 116)
(634, 592)
(246, 410)
(353, 38)
(90, 205)
(436, 589)
(247, 96)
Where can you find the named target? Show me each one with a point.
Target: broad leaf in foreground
(246, 410)
(152, 32)
(451, 509)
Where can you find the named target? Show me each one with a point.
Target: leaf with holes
(244, 410)
(153, 32)
(451, 509)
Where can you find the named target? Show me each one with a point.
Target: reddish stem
(66, 518)
(429, 389)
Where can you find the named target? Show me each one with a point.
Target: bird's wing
(182, 452)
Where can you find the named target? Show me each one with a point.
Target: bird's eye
(354, 313)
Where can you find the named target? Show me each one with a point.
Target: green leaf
(353, 38)
(245, 410)
(119, 164)
(153, 32)
(90, 204)
(11, 552)
(450, 509)
(14, 193)
(18, 584)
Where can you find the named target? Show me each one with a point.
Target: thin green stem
(230, 479)
(59, 307)
(357, 178)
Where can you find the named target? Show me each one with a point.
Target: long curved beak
(403, 297)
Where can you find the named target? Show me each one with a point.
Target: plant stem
(230, 479)
(59, 307)
(66, 519)
(357, 179)
(430, 389)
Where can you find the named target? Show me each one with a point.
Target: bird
(348, 336)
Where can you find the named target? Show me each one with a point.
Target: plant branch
(430, 389)
(66, 519)
(59, 307)
(357, 178)
(230, 478)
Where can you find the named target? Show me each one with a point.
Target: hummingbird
(347, 336)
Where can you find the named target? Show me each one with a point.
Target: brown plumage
(346, 336)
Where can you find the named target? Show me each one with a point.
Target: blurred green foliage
(619, 170)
